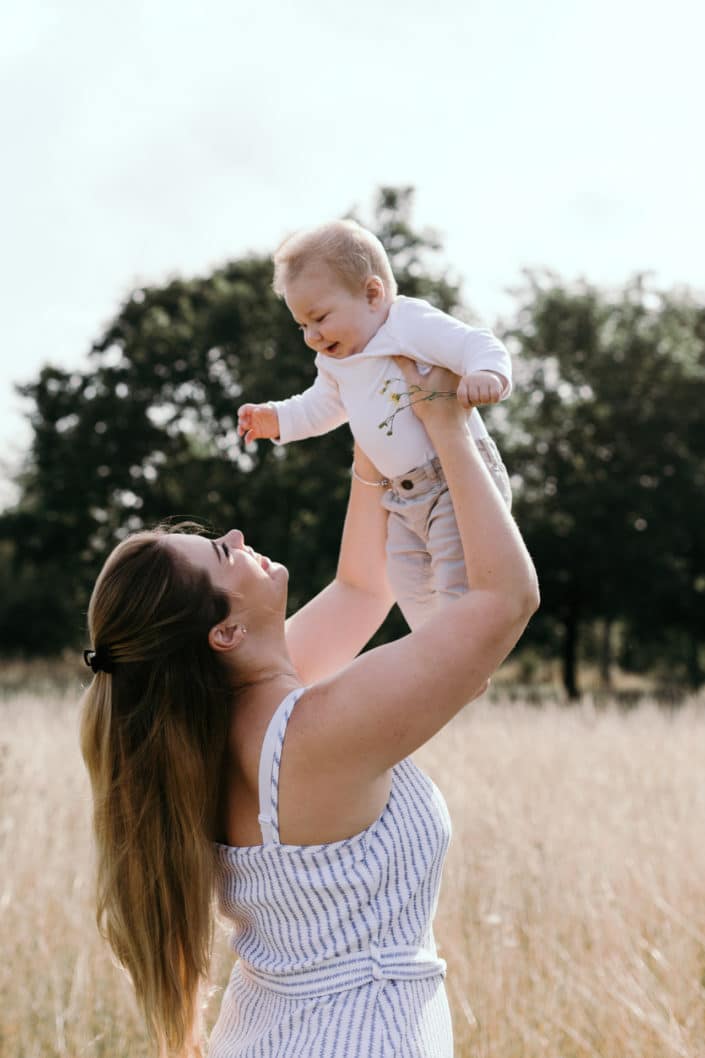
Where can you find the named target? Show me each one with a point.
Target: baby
(339, 287)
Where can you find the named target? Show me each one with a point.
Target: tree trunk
(570, 654)
(606, 655)
(695, 669)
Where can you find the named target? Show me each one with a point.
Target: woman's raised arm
(331, 629)
(391, 700)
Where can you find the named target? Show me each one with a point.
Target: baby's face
(334, 321)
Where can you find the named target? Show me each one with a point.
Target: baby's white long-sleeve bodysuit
(425, 556)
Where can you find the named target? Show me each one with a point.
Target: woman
(231, 749)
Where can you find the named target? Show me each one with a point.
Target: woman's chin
(275, 569)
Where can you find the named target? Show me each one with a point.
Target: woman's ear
(374, 291)
(224, 636)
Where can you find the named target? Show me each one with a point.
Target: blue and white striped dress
(337, 955)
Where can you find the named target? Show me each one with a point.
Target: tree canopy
(606, 437)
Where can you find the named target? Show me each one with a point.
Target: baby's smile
(334, 320)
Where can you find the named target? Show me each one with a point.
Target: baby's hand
(479, 387)
(257, 421)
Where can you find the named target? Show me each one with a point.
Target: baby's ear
(374, 291)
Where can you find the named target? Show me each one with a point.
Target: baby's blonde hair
(350, 250)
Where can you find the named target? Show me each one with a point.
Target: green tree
(605, 436)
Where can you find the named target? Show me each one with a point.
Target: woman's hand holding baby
(439, 379)
(478, 387)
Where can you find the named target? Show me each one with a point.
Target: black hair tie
(100, 659)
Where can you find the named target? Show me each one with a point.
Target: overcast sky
(143, 139)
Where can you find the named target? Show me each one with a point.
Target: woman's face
(253, 580)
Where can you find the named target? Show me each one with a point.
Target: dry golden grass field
(572, 913)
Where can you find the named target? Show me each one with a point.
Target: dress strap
(269, 761)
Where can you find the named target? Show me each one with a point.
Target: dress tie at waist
(391, 962)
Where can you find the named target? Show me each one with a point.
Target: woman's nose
(234, 538)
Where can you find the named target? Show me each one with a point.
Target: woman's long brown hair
(153, 735)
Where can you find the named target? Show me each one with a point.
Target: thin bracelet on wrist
(383, 483)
